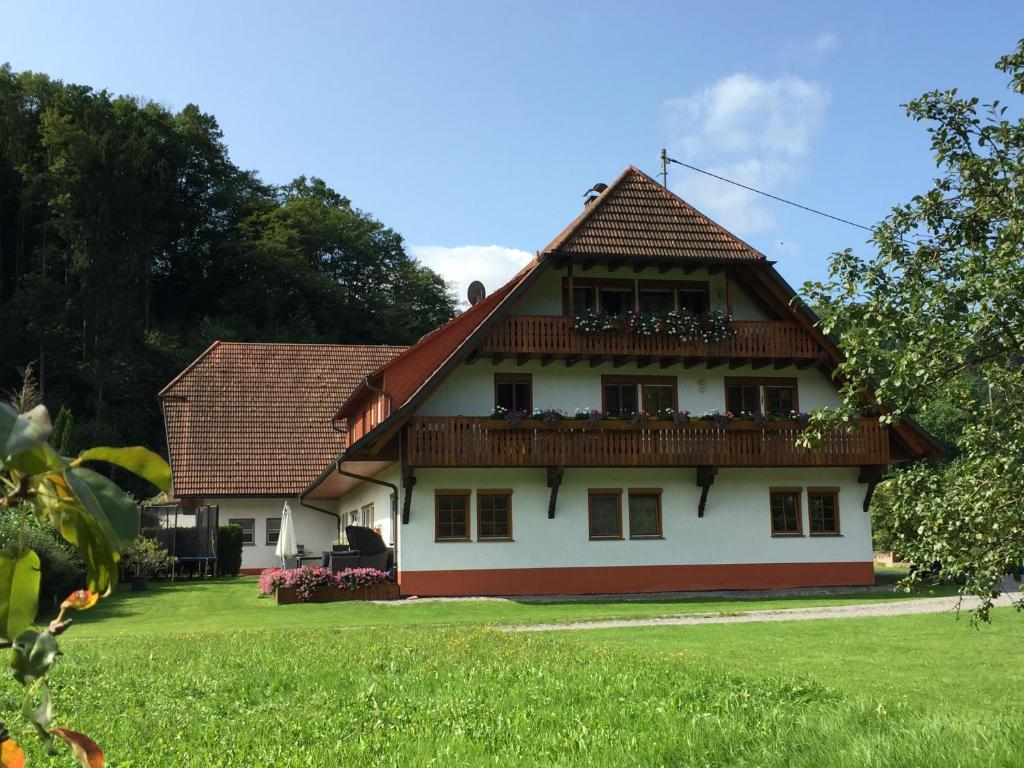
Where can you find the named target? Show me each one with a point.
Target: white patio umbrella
(286, 546)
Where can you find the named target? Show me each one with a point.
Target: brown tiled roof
(637, 217)
(255, 419)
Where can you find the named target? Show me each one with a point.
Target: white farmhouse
(620, 417)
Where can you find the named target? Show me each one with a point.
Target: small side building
(249, 426)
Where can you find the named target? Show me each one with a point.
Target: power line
(665, 160)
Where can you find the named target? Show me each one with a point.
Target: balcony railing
(456, 441)
(554, 335)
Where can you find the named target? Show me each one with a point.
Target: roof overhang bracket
(705, 478)
(554, 481)
(408, 481)
(872, 475)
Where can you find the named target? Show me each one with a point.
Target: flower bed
(319, 585)
(711, 327)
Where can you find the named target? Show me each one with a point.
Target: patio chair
(366, 550)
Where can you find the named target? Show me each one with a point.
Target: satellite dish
(476, 292)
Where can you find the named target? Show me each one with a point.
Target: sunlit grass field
(208, 675)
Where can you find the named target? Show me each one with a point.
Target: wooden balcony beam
(715, 362)
(546, 360)
(614, 266)
(692, 362)
(596, 360)
(738, 362)
(571, 360)
(497, 358)
(668, 362)
(664, 267)
(554, 483)
(705, 479)
(643, 362)
(473, 356)
(408, 481)
(522, 360)
(759, 364)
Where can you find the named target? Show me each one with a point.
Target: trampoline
(189, 534)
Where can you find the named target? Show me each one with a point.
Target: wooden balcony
(483, 442)
(552, 336)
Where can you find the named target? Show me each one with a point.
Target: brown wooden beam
(522, 359)
(872, 475)
(587, 265)
(554, 483)
(759, 364)
(408, 481)
(613, 266)
(705, 478)
(596, 360)
(738, 362)
(804, 364)
(715, 362)
(692, 362)
(638, 268)
(497, 358)
(546, 360)
(473, 356)
(643, 362)
(689, 268)
(668, 362)
(618, 362)
(780, 364)
(664, 267)
(571, 360)
(714, 269)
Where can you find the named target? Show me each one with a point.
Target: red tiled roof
(406, 374)
(637, 217)
(255, 419)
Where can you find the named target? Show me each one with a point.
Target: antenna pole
(664, 168)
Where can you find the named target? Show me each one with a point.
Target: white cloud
(493, 265)
(749, 129)
(812, 50)
(825, 42)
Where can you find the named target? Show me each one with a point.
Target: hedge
(229, 550)
(62, 569)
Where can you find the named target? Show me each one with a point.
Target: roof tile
(255, 419)
(637, 217)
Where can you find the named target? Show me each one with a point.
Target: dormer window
(770, 396)
(513, 391)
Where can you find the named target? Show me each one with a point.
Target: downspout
(335, 515)
(375, 481)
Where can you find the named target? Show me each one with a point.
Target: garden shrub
(229, 550)
(62, 569)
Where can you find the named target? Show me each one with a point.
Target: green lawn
(206, 675)
(219, 606)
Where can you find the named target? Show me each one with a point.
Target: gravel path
(893, 608)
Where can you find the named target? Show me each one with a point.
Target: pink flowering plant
(307, 579)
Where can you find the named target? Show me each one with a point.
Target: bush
(62, 569)
(229, 550)
(146, 557)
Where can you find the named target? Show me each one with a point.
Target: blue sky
(474, 128)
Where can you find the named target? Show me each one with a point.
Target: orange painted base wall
(625, 579)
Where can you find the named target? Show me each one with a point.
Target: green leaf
(21, 432)
(19, 590)
(142, 461)
(36, 460)
(113, 510)
(32, 655)
(94, 545)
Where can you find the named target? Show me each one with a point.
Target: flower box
(328, 593)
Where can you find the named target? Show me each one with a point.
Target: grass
(205, 675)
(219, 606)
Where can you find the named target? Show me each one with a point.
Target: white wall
(545, 296)
(314, 530)
(371, 493)
(735, 528)
(469, 390)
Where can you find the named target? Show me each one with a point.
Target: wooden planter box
(331, 594)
